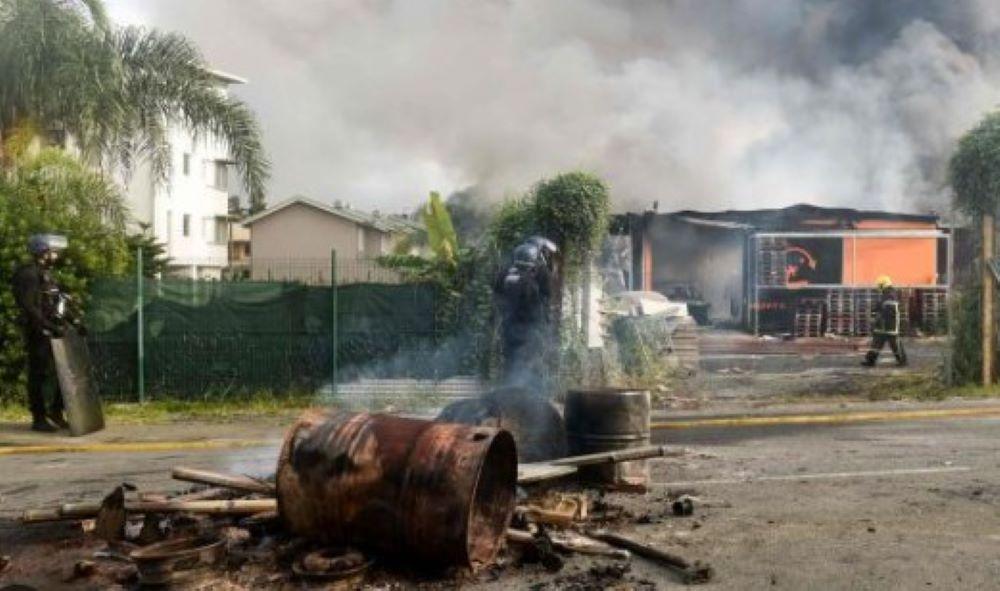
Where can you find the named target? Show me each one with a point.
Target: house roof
(799, 216)
(388, 224)
(796, 217)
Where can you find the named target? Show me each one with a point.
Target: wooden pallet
(808, 319)
(840, 312)
(685, 345)
(772, 261)
(933, 310)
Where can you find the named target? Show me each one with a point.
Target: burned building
(801, 270)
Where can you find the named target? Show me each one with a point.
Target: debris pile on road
(353, 490)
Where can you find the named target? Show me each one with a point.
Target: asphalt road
(889, 505)
(895, 505)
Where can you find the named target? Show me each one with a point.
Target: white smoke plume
(694, 103)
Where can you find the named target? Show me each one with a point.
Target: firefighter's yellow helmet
(883, 282)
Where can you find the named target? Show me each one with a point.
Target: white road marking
(819, 476)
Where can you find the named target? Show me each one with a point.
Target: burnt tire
(535, 423)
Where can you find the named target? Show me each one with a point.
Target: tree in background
(974, 174)
(514, 220)
(462, 277)
(67, 72)
(441, 236)
(573, 210)
(53, 192)
(155, 261)
(441, 242)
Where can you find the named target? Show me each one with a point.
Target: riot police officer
(523, 291)
(36, 293)
(886, 328)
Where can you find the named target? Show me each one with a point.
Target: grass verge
(171, 410)
(921, 387)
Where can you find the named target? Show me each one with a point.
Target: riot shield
(82, 402)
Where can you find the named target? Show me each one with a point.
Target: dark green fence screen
(213, 338)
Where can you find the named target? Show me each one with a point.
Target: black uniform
(886, 329)
(523, 292)
(33, 288)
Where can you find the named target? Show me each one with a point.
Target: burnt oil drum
(608, 419)
(431, 494)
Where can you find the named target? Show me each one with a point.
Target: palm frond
(53, 67)
(98, 14)
(117, 91)
(167, 79)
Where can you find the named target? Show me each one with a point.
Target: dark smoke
(696, 103)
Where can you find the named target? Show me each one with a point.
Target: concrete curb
(795, 409)
(820, 414)
(137, 446)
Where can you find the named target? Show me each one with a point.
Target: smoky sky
(693, 103)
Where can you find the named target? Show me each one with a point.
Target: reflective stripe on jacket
(888, 320)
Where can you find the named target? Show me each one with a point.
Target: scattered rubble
(83, 569)
(396, 489)
(691, 573)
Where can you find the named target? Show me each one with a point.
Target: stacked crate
(934, 310)
(840, 312)
(905, 297)
(685, 345)
(771, 261)
(809, 319)
(865, 304)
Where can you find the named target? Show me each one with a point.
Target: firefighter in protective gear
(36, 294)
(887, 325)
(523, 292)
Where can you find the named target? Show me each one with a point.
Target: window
(186, 166)
(221, 230)
(221, 175)
(187, 224)
(170, 225)
(361, 240)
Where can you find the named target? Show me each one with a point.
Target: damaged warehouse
(804, 270)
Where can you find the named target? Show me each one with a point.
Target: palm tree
(64, 69)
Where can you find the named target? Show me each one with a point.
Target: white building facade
(189, 211)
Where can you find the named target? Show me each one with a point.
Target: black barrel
(608, 419)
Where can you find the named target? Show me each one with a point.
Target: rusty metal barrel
(608, 419)
(432, 494)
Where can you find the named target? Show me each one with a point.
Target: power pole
(989, 296)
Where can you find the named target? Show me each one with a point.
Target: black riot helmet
(41, 244)
(527, 255)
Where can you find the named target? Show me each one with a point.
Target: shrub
(572, 209)
(966, 358)
(52, 192)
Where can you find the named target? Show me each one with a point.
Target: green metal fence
(184, 338)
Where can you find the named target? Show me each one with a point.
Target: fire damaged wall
(803, 270)
(699, 262)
